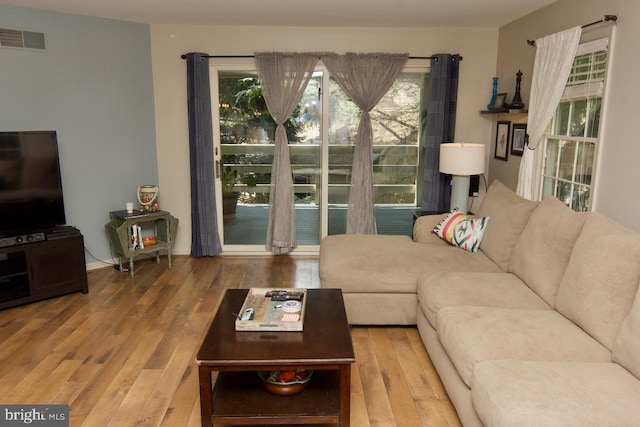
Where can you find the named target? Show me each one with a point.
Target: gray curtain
(441, 124)
(284, 77)
(205, 240)
(365, 79)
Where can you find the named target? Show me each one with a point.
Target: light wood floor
(123, 355)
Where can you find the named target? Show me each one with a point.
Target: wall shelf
(524, 111)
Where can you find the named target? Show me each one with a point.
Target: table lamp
(461, 160)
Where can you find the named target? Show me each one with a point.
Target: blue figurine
(493, 94)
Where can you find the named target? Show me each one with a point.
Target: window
(573, 142)
(398, 126)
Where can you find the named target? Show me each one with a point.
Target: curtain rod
(607, 18)
(253, 56)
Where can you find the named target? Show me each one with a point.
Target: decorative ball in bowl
(149, 240)
(285, 382)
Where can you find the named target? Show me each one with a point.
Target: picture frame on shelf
(502, 140)
(518, 138)
(499, 104)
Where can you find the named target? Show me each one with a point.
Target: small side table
(119, 231)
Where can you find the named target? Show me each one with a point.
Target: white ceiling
(333, 13)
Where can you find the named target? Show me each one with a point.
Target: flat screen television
(30, 183)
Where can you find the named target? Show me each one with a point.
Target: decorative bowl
(149, 240)
(285, 382)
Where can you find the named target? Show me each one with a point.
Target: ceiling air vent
(22, 39)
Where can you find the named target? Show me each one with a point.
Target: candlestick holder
(516, 103)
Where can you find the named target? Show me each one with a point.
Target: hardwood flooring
(123, 354)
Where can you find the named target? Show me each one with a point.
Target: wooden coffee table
(238, 396)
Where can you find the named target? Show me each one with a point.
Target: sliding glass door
(321, 151)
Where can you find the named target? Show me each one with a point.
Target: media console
(21, 239)
(48, 266)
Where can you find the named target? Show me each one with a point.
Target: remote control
(247, 315)
(284, 295)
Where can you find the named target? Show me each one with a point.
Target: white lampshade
(460, 158)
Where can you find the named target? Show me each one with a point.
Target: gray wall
(94, 86)
(618, 172)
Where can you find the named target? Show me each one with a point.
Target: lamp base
(460, 192)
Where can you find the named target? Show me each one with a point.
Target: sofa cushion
(626, 349)
(542, 252)
(355, 261)
(601, 279)
(530, 393)
(449, 289)
(473, 334)
(381, 308)
(509, 214)
(461, 230)
(381, 263)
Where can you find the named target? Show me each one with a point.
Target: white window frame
(573, 93)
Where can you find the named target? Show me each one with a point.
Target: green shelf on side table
(120, 235)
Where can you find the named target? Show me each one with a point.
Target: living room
(115, 92)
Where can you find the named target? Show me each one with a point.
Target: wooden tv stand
(38, 270)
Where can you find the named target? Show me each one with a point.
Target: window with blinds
(571, 145)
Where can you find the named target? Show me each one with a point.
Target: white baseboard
(99, 264)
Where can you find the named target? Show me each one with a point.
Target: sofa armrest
(423, 227)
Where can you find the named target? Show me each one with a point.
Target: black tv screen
(30, 184)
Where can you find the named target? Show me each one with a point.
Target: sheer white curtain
(365, 79)
(554, 57)
(284, 77)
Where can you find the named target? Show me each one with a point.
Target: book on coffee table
(272, 309)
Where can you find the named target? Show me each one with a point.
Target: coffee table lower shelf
(239, 398)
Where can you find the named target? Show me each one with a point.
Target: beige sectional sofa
(541, 326)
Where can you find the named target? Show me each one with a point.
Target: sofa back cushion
(423, 229)
(542, 252)
(626, 350)
(509, 213)
(602, 278)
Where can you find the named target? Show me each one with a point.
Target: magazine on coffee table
(273, 309)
